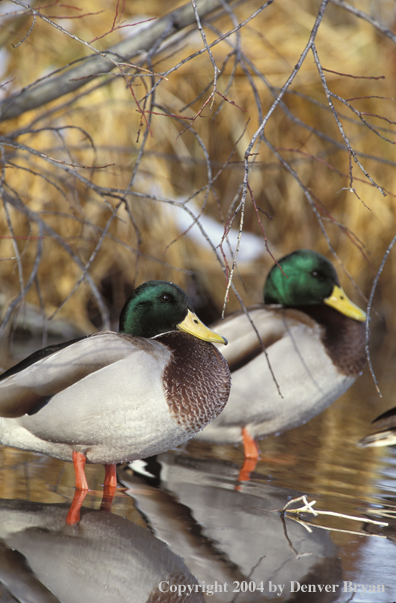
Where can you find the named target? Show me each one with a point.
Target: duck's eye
(317, 275)
(165, 297)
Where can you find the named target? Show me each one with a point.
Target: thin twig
(308, 507)
(52, 88)
(362, 15)
(260, 130)
(369, 305)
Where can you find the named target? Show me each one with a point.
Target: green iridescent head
(305, 277)
(158, 307)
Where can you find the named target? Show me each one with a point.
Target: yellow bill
(339, 301)
(191, 324)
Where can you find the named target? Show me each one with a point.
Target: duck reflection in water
(103, 559)
(233, 536)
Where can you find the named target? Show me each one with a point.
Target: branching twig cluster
(307, 508)
(191, 120)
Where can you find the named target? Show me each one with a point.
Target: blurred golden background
(126, 174)
(93, 181)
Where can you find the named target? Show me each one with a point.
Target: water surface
(193, 525)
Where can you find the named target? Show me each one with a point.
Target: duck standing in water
(385, 430)
(115, 397)
(314, 337)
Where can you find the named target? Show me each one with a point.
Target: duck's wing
(293, 383)
(246, 342)
(39, 355)
(25, 388)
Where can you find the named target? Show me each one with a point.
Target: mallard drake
(314, 337)
(114, 397)
(385, 430)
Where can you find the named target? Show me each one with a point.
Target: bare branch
(103, 62)
(362, 15)
(369, 306)
(340, 127)
(259, 132)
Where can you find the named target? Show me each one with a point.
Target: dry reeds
(93, 176)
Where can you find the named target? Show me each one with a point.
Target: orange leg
(110, 487)
(79, 460)
(250, 445)
(110, 476)
(73, 515)
(107, 498)
(252, 453)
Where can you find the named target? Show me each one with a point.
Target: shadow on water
(187, 520)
